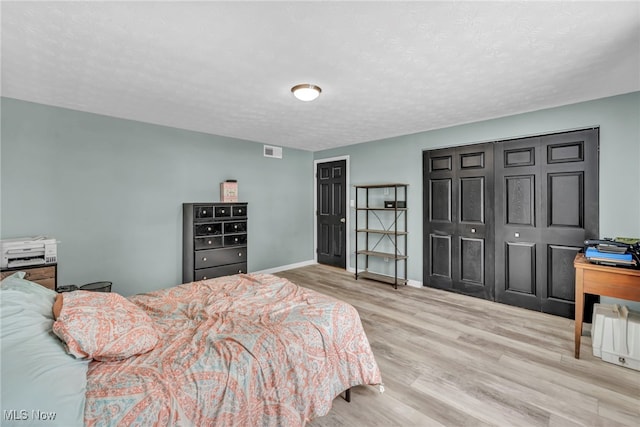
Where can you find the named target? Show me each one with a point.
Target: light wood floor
(452, 360)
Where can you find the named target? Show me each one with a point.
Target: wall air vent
(274, 152)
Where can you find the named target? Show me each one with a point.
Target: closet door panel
(458, 227)
(472, 260)
(517, 210)
(441, 256)
(521, 268)
(546, 199)
(560, 272)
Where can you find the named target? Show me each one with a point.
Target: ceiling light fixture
(306, 92)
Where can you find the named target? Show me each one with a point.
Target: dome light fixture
(306, 92)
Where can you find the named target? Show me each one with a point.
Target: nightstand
(43, 274)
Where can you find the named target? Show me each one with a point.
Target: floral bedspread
(243, 350)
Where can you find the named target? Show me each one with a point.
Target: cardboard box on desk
(229, 191)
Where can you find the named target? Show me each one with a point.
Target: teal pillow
(29, 294)
(42, 385)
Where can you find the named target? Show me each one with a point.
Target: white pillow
(40, 381)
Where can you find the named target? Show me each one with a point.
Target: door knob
(343, 220)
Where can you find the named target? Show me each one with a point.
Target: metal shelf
(382, 254)
(381, 278)
(375, 231)
(390, 224)
(381, 209)
(381, 185)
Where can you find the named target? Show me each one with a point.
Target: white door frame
(347, 246)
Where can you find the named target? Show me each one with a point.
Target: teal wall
(111, 191)
(400, 160)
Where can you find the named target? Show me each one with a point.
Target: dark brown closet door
(458, 223)
(546, 206)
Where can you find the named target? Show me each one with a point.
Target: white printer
(28, 251)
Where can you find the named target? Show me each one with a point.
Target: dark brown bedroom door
(546, 206)
(458, 224)
(332, 213)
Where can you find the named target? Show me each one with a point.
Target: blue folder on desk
(594, 255)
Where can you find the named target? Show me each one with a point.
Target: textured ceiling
(385, 68)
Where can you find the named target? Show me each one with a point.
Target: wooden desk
(43, 274)
(614, 282)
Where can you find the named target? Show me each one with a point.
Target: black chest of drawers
(214, 240)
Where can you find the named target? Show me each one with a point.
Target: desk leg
(579, 310)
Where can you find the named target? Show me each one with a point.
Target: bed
(249, 349)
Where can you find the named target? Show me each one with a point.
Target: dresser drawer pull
(204, 212)
(239, 253)
(204, 278)
(239, 211)
(239, 271)
(204, 258)
(235, 226)
(208, 228)
(236, 239)
(221, 210)
(209, 242)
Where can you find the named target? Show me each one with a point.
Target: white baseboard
(287, 267)
(412, 283)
